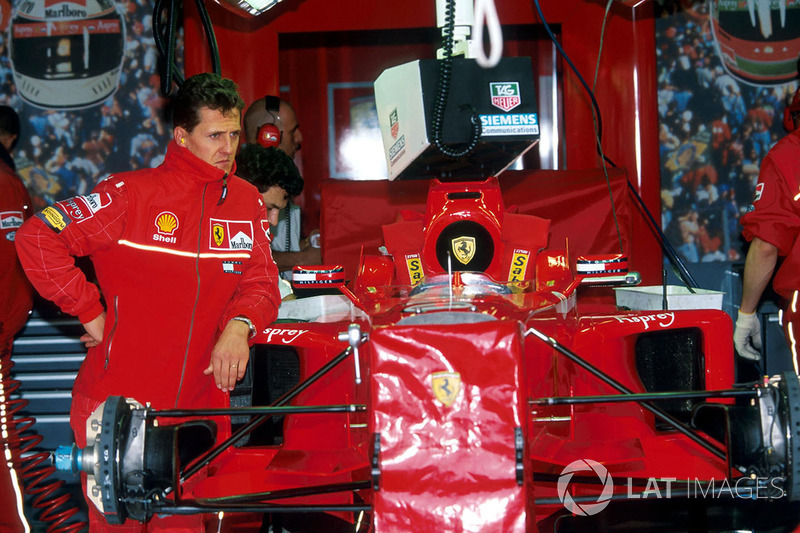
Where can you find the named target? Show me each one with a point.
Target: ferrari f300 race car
(470, 378)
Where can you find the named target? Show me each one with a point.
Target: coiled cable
(443, 91)
(34, 466)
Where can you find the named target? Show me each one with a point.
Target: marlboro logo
(505, 95)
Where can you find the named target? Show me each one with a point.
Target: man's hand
(229, 356)
(94, 331)
(747, 336)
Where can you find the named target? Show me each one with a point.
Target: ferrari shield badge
(463, 248)
(218, 230)
(446, 386)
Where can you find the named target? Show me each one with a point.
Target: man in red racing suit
(773, 227)
(182, 255)
(16, 300)
(16, 293)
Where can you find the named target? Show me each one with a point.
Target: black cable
(208, 28)
(169, 68)
(577, 74)
(666, 246)
(443, 90)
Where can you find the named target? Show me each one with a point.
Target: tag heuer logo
(505, 95)
(463, 248)
(395, 125)
(446, 386)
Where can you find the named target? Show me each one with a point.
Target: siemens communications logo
(512, 124)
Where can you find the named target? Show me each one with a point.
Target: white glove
(285, 288)
(747, 336)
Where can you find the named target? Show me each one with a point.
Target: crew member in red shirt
(16, 293)
(773, 226)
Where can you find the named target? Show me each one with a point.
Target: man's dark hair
(267, 167)
(9, 123)
(204, 90)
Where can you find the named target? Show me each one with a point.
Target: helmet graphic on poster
(758, 40)
(66, 54)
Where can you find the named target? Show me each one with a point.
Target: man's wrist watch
(247, 321)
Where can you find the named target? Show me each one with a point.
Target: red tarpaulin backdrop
(577, 203)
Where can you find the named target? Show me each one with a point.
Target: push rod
(605, 378)
(257, 421)
(644, 397)
(190, 509)
(263, 410)
(299, 492)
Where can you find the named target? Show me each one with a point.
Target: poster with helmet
(727, 70)
(66, 54)
(83, 77)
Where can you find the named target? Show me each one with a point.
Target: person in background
(16, 300)
(181, 253)
(275, 176)
(272, 122)
(16, 293)
(772, 225)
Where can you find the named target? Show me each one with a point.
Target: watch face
(66, 55)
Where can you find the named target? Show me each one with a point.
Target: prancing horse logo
(463, 248)
(446, 386)
(219, 233)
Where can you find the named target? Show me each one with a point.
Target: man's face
(275, 199)
(214, 139)
(291, 138)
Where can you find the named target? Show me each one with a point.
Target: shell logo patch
(167, 223)
(446, 386)
(463, 249)
(231, 234)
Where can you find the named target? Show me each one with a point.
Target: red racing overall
(774, 217)
(178, 251)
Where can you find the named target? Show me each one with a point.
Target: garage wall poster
(725, 71)
(82, 74)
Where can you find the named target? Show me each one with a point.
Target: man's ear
(8, 140)
(179, 135)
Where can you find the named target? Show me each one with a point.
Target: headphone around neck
(270, 134)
